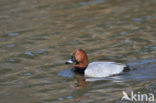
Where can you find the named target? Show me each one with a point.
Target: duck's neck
(79, 70)
(80, 67)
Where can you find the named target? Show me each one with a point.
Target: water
(38, 36)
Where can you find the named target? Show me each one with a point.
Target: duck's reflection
(67, 73)
(81, 81)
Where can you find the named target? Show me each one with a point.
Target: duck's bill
(69, 62)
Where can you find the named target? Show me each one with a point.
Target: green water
(38, 36)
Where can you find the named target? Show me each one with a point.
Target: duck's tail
(127, 68)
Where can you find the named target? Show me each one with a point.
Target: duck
(97, 68)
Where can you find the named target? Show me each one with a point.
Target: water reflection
(81, 82)
(67, 73)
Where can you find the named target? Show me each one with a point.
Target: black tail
(127, 68)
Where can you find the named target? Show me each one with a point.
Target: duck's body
(103, 69)
(95, 69)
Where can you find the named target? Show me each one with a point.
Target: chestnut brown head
(80, 58)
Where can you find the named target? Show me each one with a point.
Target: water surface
(38, 36)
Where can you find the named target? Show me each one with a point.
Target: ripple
(29, 53)
(69, 97)
(60, 99)
(38, 84)
(5, 71)
(141, 62)
(66, 73)
(137, 19)
(38, 76)
(45, 90)
(11, 45)
(6, 94)
(27, 74)
(123, 33)
(41, 52)
(13, 34)
(92, 2)
(148, 17)
(148, 61)
(13, 60)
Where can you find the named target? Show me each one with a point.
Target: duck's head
(79, 57)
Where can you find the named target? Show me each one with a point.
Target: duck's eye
(73, 59)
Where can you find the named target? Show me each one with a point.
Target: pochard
(95, 69)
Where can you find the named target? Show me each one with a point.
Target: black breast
(79, 70)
